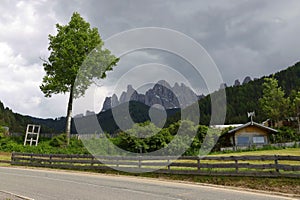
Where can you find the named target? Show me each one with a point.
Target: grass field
(5, 156)
(288, 151)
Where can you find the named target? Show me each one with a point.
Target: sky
(243, 37)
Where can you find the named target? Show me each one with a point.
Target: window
(243, 140)
(258, 139)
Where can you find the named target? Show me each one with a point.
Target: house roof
(253, 124)
(225, 126)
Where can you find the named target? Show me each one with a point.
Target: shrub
(59, 141)
(2, 131)
(286, 134)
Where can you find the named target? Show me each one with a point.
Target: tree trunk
(69, 116)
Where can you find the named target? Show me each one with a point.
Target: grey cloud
(255, 38)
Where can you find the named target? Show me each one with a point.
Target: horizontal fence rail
(5, 161)
(264, 166)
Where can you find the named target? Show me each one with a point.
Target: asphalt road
(44, 184)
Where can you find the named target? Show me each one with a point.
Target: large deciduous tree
(273, 102)
(76, 46)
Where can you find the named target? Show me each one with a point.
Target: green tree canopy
(295, 100)
(295, 106)
(70, 48)
(273, 102)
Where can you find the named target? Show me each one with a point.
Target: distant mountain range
(178, 96)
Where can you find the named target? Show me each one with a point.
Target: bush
(2, 131)
(286, 134)
(56, 145)
(59, 141)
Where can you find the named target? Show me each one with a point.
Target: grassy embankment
(282, 185)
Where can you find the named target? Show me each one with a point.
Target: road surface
(47, 185)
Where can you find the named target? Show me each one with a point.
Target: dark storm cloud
(239, 35)
(243, 37)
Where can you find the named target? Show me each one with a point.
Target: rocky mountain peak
(247, 79)
(176, 85)
(223, 86)
(163, 83)
(130, 89)
(178, 96)
(237, 83)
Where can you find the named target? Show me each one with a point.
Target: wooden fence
(264, 166)
(5, 161)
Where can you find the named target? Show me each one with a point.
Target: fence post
(140, 162)
(276, 163)
(236, 166)
(198, 163)
(12, 158)
(92, 161)
(50, 159)
(169, 167)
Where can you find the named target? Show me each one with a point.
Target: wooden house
(251, 134)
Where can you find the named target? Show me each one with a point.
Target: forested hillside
(14, 121)
(244, 98)
(240, 100)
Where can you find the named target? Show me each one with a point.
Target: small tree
(273, 103)
(295, 110)
(69, 49)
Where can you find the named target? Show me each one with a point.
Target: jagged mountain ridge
(178, 96)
